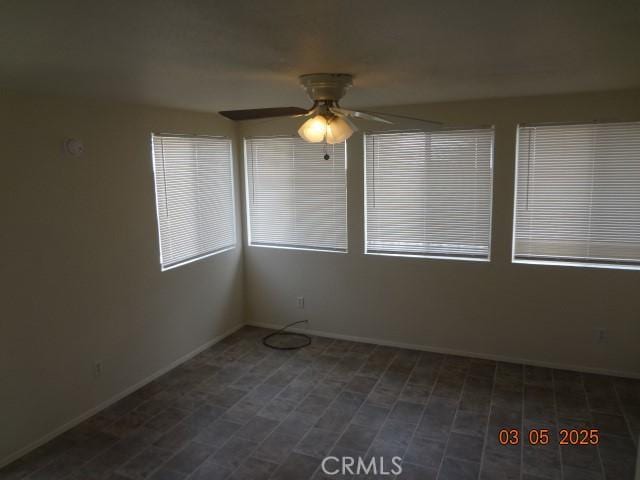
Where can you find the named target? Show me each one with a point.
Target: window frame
(559, 261)
(462, 258)
(247, 213)
(195, 258)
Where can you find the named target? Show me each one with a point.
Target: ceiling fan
(329, 122)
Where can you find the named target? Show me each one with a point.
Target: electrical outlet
(97, 369)
(601, 335)
(300, 302)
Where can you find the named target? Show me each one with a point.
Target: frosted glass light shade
(338, 130)
(314, 129)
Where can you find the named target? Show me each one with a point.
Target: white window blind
(194, 197)
(296, 198)
(578, 194)
(429, 193)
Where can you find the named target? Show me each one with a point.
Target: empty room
(286, 240)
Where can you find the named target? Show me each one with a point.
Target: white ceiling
(227, 54)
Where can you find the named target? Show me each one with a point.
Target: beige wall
(538, 314)
(81, 279)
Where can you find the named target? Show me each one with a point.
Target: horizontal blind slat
(194, 196)
(429, 193)
(296, 198)
(578, 193)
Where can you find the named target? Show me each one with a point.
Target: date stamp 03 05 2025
(542, 436)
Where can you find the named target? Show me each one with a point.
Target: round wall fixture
(73, 147)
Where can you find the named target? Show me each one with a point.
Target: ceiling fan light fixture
(338, 130)
(327, 121)
(314, 130)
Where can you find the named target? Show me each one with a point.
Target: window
(578, 194)
(429, 193)
(296, 198)
(194, 197)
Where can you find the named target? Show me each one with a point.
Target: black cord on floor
(306, 339)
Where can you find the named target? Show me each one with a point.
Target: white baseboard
(98, 408)
(450, 351)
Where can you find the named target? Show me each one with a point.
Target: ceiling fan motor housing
(326, 86)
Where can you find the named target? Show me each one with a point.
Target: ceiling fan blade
(405, 117)
(305, 114)
(356, 114)
(256, 113)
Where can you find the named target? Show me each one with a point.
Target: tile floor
(245, 412)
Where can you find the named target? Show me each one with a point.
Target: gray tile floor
(245, 412)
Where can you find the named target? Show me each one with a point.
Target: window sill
(302, 249)
(561, 263)
(195, 259)
(431, 257)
